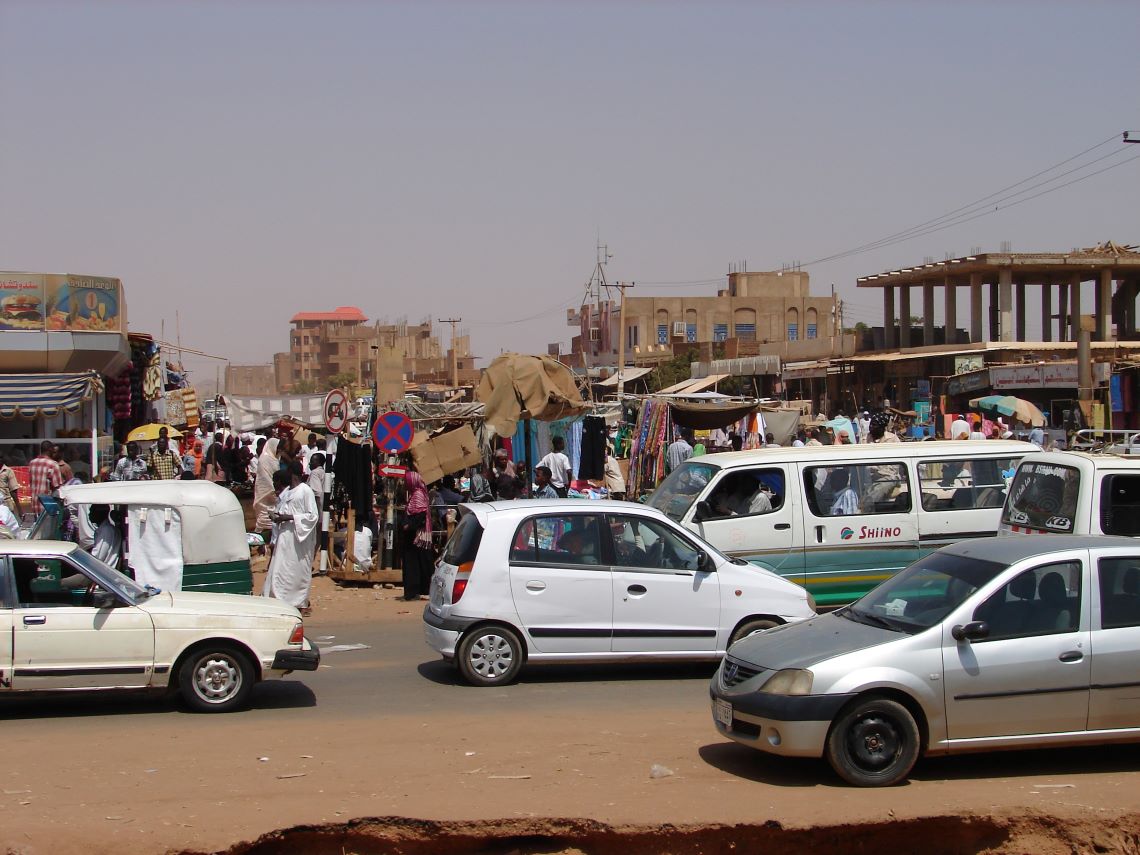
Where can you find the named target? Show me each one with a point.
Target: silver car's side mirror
(975, 630)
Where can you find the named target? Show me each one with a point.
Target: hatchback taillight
(462, 577)
(298, 634)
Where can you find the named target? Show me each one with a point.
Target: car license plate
(722, 712)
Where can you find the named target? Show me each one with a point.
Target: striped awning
(30, 396)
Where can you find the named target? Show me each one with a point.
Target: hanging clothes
(352, 467)
(592, 465)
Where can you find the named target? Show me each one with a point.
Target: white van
(1074, 492)
(840, 519)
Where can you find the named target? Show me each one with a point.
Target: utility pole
(621, 340)
(454, 356)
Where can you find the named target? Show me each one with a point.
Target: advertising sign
(77, 303)
(973, 362)
(21, 301)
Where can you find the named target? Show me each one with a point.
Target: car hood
(800, 645)
(220, 604)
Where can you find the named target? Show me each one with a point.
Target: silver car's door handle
(1071, 656)
(636, 590)
(34, 620)
(536, 586)
(782, 526)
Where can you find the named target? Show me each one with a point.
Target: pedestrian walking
(544, 489)
(44, 475)
(678, 451)
(9, 488)
(163, 462)
(290, 573)
(417, 554)
(558, 464)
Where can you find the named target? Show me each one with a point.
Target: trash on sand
(658, 771)
(508, 777)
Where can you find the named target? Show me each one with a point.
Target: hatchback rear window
(1043, 496)
(464, 542)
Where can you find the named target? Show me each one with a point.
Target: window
(676, 494)
(1043, 496)
(793, 332)
(632, 338)
(645, 543)
(811, 331)
(746, 332)
(1041, 601)
(857, 488)
(570, 539)
(1120, 505)
(745, 493)
(690, 332)
(811, 323)
(720, 332)
(965, 483)
(1119, 592)
(662, 333)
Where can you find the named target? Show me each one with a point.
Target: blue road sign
(393, 432)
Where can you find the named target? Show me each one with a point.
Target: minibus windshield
(678, 491)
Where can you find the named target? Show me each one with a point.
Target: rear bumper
(297, 660)
(442, 633)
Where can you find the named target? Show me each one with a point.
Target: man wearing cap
(863, 425)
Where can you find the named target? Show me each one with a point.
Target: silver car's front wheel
(490, 656)
(216, 680)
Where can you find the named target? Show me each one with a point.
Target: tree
(672, 372)
(343, 380)
(305, 387)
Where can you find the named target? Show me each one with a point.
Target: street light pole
(621, 340)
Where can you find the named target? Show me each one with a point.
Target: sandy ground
(489, 770)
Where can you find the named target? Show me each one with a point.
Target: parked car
(573, 581)
(987, 644)
(840, 519)
(1074, 492)
(69, 622)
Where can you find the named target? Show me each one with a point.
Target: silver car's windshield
(678, 491)
(924, 593)
(123, 586)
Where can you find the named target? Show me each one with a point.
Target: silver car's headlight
(790, 681)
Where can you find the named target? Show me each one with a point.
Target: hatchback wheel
(749, 627)
(490, 656)
(216, 679)
(874, 743)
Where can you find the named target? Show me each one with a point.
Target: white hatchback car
(69, 622)
(571, 580)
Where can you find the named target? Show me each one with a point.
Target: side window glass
(748, 492)
(5, 575)
(1120, 505)
(1041, 601)
(1119, 592)
(858, 488)
(965, 483)
(570, 539)
(648, 544)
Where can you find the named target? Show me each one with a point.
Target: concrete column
(1019, 311)
(1005, 304)
(975, 308)
(950, 310)
(888, 317)
(994, 310)
(928, 314)
(1062, 311)
(1075, 307)
(904, 316)
(1047, 311)
(1104, 306)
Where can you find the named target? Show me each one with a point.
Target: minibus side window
(1120, 505)
(858, 488)
(964, 483)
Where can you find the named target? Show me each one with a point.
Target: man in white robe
(291, 569)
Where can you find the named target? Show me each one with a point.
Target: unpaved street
(389, 731)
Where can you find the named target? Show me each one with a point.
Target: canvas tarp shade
(625, 376)
(30, 396)
(253, 413)
(708, 416)
(542, 387)
(781, 423)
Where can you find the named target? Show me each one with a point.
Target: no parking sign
(393, 432)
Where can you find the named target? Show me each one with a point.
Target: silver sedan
(987, 644)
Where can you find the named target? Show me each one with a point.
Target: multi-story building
(342, 342)
(761, 313)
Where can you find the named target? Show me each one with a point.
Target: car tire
(873, 743)
(216, 679)
(490, 656)
(749, 627)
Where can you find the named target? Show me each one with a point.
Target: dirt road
(389, 731)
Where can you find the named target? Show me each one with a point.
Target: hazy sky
(239, 162)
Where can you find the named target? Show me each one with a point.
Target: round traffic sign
(336, 410)
(393, 432)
